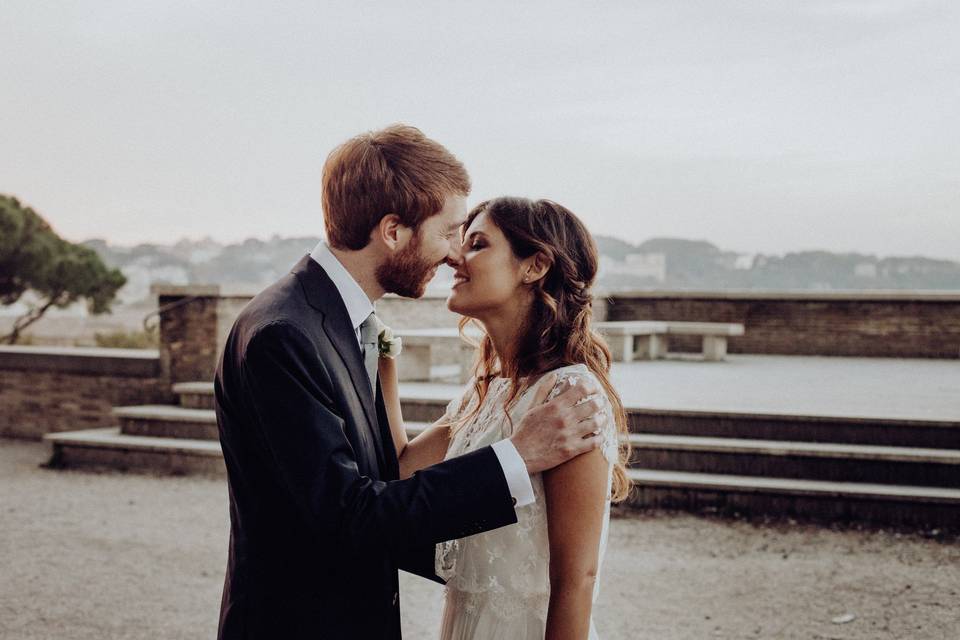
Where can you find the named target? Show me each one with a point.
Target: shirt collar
(358, 304)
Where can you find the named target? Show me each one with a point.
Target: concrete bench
(629, 340)
(649, 339)
(714, 334)
(634, 339)
(414, 364)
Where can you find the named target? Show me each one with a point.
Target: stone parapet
(140, 363)
(47, 389)
(895, 324)
(799, 295)
(194, 323)
(428, 312)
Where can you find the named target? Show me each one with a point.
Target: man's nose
(454, 255)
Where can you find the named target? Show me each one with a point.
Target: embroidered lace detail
(506, 605)
(608, 429)
(505, 572)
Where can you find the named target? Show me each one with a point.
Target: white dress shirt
(359, 307)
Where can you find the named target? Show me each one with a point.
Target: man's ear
(535, 267)
(391, 232)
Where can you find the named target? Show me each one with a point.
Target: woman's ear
(535, 267)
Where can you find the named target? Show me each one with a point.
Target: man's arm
(305, 438)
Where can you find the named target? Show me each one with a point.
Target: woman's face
(488, 277)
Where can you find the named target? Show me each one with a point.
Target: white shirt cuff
(515, 471)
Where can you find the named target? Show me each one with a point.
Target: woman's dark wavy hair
(557, 332)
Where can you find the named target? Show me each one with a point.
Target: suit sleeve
(421, 562)
(292, 398)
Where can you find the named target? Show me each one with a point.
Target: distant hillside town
(658, 263)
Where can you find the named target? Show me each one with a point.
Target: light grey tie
(369, 336)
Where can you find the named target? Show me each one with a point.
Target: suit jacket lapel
(322, 294)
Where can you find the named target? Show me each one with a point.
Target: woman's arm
(387, 368)
(429, 447)
(575, 496)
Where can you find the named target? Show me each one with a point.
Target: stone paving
(96, 556)
(795, 385)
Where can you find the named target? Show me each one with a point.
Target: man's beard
(405, 272)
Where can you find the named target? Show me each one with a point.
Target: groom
(319, 521)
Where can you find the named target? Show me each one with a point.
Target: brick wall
(901, 325)
(228, 308)
(188, 332)
(196, 319)
(47, 389)
(194, 323)
(428, 312)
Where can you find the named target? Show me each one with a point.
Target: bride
(524, 277)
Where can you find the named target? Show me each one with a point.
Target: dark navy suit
(319, 522)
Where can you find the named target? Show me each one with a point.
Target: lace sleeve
(608, 427)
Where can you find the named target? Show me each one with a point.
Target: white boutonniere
(388, 344)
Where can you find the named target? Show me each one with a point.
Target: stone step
(200, 395)
(812, 499)
(421, 404)
(931, 434)
(884, 504)
(194, 395)
(167, 421)
(110, 449)
(799, 460)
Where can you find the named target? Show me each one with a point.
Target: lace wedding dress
(498, 582)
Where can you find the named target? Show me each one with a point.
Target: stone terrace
(89, 556)
(792, 385)
(830, 436)
(832, 439)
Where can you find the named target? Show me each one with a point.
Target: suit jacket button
(514, 501)
(395, 597)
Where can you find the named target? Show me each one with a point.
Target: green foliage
(128, 339)
(34, 258)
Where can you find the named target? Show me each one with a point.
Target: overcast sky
(759, 126)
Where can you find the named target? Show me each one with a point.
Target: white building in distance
(639, 265)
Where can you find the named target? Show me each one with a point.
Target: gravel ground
(86, 555)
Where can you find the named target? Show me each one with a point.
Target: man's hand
(556, 431)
